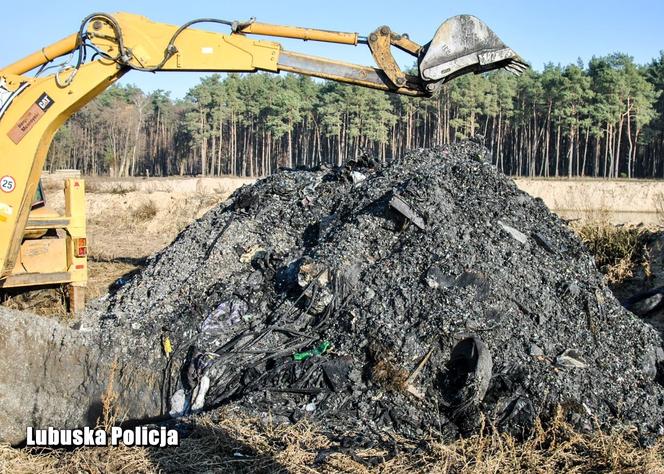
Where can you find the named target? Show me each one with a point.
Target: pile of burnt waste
(415, 297)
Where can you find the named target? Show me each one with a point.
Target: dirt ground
(129, 221)
(125, 228)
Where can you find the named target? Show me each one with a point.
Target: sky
(559, 31)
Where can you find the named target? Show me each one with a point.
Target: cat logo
(30, 118)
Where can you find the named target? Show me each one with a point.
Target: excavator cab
(39, 209)
(53, 250)
(40, 200)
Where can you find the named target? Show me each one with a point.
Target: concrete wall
(619, 201)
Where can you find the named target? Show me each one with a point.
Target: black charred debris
(415, 297)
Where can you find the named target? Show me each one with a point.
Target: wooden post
(76, 299)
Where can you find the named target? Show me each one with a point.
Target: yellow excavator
(40, 247)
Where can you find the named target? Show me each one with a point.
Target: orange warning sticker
(30, 118)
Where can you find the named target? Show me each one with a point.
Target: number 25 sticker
(7, 184)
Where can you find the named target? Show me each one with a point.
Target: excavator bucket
(464, 44)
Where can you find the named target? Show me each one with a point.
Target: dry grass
(386, 371)
(389, 375)
(145, 211)
(102, 273)
(618, 250)
(53, 185)
(109, 401)
(238, 443)
(93, 186)
(48, 301)
(658, 200)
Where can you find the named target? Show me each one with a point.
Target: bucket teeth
(516, 67)
(464, 44)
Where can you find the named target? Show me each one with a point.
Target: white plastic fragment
(571, 359)
(198, 395)
(357, 177)
(178, 404)
(515, 234)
